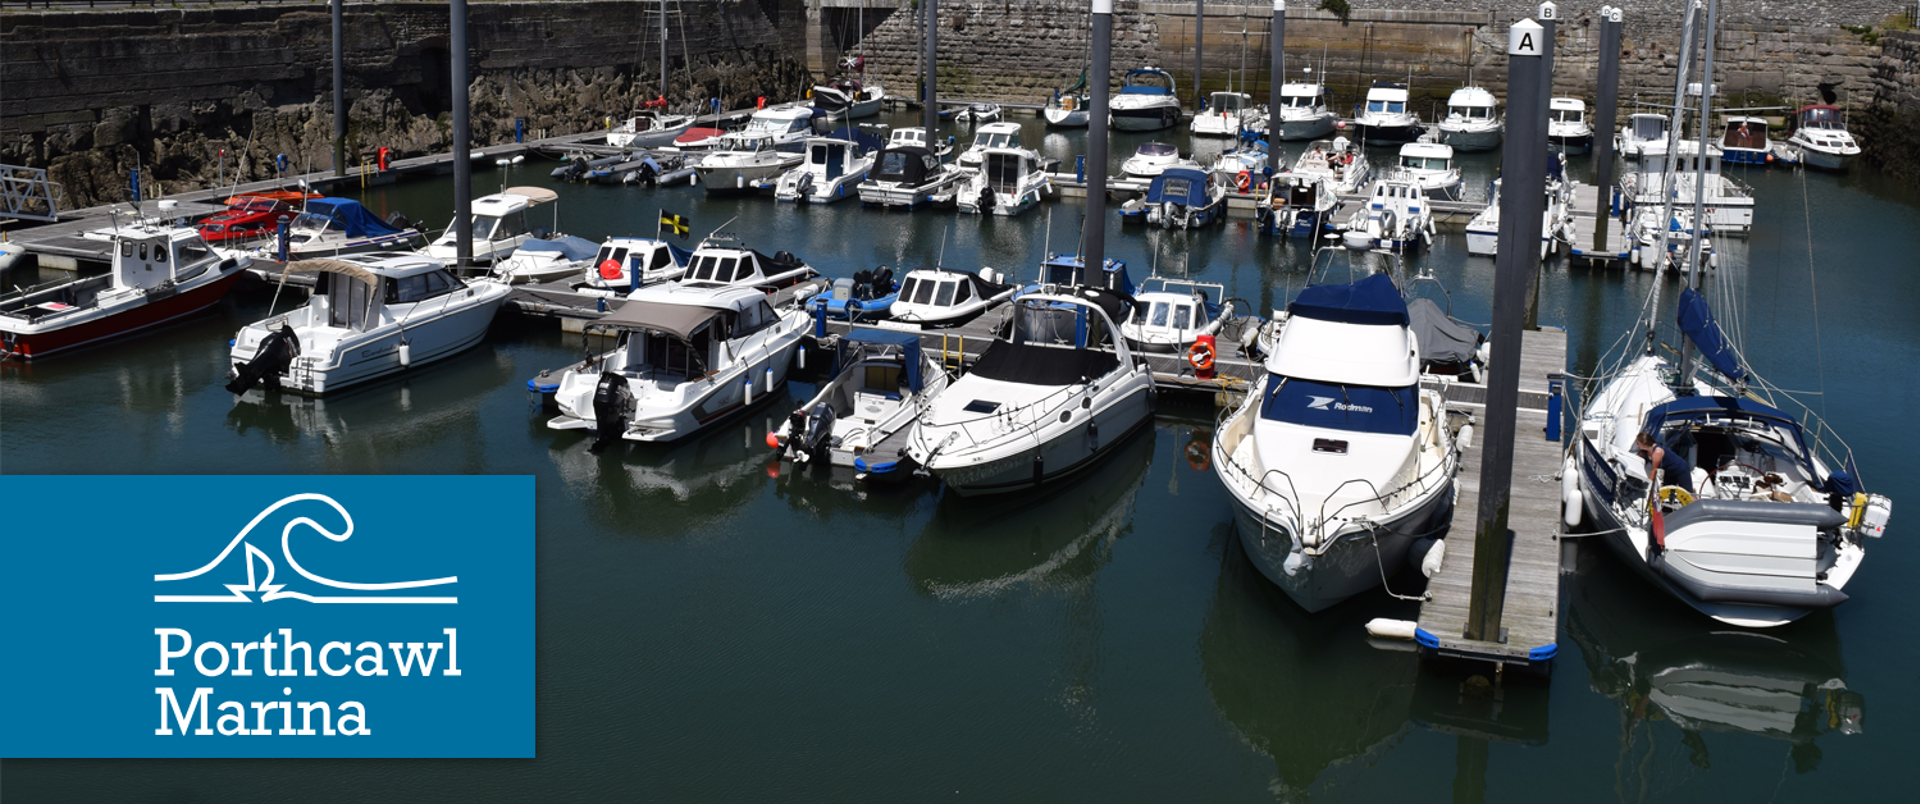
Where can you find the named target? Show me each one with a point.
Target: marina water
(711, 629)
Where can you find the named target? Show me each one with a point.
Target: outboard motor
(819, 430)
(785, 258)
(987, 199)
(398, 220)
(274, 357)
(646, 175)
(803, 189)
(882, 281)
(611, 401)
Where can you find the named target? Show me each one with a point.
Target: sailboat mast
(663, 48)
(1696, 251)
(1680, 75)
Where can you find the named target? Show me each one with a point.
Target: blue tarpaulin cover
(573, 248)
(349, 216)
(1696, 319)
(1354, 408)
(1180, 186)
(1373, 300)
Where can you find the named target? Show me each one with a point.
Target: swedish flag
(676, 224)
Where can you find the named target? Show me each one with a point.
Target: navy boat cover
(1180, 186)
(1696, 319)
(909, 343)
(349, 216)
(1373, 300)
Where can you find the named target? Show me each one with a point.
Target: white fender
(1466, 437)
(1436, 555)
(406, 354)
(1572, 508)
(1386, 628)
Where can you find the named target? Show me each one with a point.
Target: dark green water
(708, 631)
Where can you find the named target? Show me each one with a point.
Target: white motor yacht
(685, 356)
(1171, 314)
(991, 135)
(1820, 132)
(1010, 181)
(1150, 159)
(1304, 113)
(1729, 203)
(862, 417)
(1385, 118)
(1338, 161)
(1430, 165)
(1567, 126)
(833, 168)
(1397, 217)
(499, 225)
(945, 297)
(1483, 232)
(159, 273)
(370, 316)
(1339, 461)
(1472, 122)
(1225, 114)
(1047, 400)
(330, 227)
(560, 257)
(723, 259)
(974, 114)
(909, 176)
(916, 137)
(1296, 205)
(626, 264)
(1642, 129)
(649, 128)
(745, 162)
(1145, 101)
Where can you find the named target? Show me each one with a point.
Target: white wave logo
(260, 568)
(1318, 402)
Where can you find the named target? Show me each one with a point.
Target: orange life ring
(1197, 458)
(1200, 356)
(609, 269)
(1243, 181)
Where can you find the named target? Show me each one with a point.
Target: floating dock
(1530, 618)
(1583, 218)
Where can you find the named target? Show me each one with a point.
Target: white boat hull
(1064, 118)
(1062, 451)
(1351, 566)
(1464, 139)
(1308, 128)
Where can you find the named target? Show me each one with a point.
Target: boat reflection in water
(1304, 689)
(1053, 537)
(1649, 654)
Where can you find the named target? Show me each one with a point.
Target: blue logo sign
(175, 616)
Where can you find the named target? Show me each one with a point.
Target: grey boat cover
(1442, 339)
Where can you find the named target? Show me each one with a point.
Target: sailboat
(1762, 520)
(1069, 107)
(651, 125)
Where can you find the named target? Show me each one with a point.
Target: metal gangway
(27, 194)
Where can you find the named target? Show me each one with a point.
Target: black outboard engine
(648, 175)
(611, 402)
(785, 258)
(987, 199)
(398, 220)
(819, 429)
(862, 285)
(882, 281)
(804, 188)
(274, 357)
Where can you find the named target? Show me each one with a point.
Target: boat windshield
(1474, 112)
(1647, 127)
(993, 141)
(1156, 149)
(1821, 118)
(1425, 163)
(1569, 115)
(312, 221)
(1354, 408)
(1387, 107)
(1745, 134)
(1227, 102)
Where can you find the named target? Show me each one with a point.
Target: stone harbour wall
(1889, 129)
(92, 94)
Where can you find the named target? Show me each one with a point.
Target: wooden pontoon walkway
(1530, 618)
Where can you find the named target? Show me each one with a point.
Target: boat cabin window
(661, 259)
(513, 224)
(1569, 115)
(419, 287)
(1354, 408)
(160, 253)
(1176, 187)
(907, 287)
(671, 356)
(1183, 316)
(1004, 172)
(756, 317)
(1426, 163)
(1156, 149)
(1226, 102)
(1388, 107)
(348, 300)
(728, 270)
(1648, 128)
(617, 255)
(924, 293)
(1299, 101)
(945, 297)
(965, 292)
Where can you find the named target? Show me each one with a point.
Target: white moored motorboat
(1224, 115)
(330, 227)
(909, 176)
(848, 98)
(743, 163)
(1145, 101)
(370, 316)
(685, 355)
(833, 168)
(1150, 159)
(1385, 118)
(649, 128)
(499, 225)
(626, 264)
(1472, 122)
(945, 297)
(1567, 126)
(1171, 314)
(1729, 203)
(1295, 205)
(1069, 108)
(1822, 137)
(1048, 399)
(159, 274)
(1483, 231)
(1010, 181)
(1431, 166)
(1339, 461)
(1304, 114)
(560, 257)
(722, 259)
(861, 418)
(1397, 217)
(1642, 129)
(991, 135)
(1338, 161)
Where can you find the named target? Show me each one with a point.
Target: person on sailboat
(1661, 460)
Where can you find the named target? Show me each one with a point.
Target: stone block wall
(92, 94)
(1890, 128)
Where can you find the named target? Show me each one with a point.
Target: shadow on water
(1052, 537)
(1660, 661)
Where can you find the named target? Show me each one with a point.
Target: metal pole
(462, 150)
(663, 48)
(1276, 79)
(1199, 39)
(1604, 122)
(339, 90)
(1695, 252)
(1522, 191)
(1094, 254)
(1549, 20)
(931, 112)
